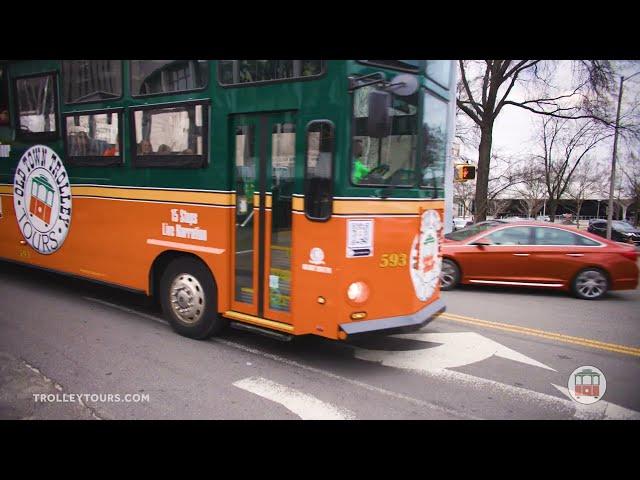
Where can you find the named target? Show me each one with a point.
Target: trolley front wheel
(189, 299)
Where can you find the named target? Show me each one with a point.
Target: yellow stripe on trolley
(178, 196)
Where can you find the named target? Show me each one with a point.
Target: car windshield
(470, 231)
(622, 226)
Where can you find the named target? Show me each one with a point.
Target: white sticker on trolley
(42, 199)
(316, 256)
(425, 255)
(315, 262)
(359, 238)
(242, 205)
(177, 230)
(274, 281)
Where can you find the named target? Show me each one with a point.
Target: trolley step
(283, 337)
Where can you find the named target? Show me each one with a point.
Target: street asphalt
(495, 354)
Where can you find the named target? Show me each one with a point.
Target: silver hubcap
(187, 298)
(591, 284)
(447, 274)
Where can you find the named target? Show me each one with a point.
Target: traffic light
(464, 172)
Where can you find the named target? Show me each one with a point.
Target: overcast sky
(515, 128)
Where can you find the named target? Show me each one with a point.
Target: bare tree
(586, 179)
(564, 144)
(464, 192)
(486, 87)
(497, 206)
(505, 174)
(631, 173)
(531, 188)
(622, 197)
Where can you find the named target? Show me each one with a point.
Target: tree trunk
(578, 208)
(482, 177)
(552, 207)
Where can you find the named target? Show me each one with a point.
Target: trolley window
(4, 95)
(319, 170)
(152, 77)
(85, 81)
(93, 139)
(440, 72)
(36, 106)
(170, 136)
(389, 160)
(234, 72)
(434, 149)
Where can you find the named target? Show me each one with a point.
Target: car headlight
(358, 292)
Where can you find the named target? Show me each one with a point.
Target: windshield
(434, 149)
(468, 232)
(622, 226)
(389, 160)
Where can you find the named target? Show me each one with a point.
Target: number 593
(393, 260)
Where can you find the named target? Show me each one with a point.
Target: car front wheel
(449, 275)
(590, 284)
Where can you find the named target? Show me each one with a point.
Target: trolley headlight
(358, 292)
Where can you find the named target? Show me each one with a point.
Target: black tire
(590, 284)
(449, 275)
(189, 283)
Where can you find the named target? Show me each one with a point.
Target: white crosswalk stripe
(306, 406)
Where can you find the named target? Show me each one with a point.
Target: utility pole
(613, 165)
(613, 159)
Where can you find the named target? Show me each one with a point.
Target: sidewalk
(18, 384)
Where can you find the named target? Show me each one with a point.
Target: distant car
(536, 254)
(620, 231)
(543, 218)
(459, 223)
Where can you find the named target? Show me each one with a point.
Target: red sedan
(537, 254)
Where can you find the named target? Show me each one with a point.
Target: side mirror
(379, 120)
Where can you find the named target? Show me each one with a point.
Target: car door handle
(520, 254)
(574, 254)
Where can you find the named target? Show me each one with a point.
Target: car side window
(555, 236)
(587, 242)
(511, 236)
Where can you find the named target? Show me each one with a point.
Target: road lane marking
(293, 363)
(523, 394)
(585, 342)
(456, 349)
(603, 409)
(305, 406)
(366, 386)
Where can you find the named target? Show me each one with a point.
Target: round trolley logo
(587, 384)
(316, 256)
(42, 199)
(425, 261)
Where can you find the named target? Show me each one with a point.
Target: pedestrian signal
(465, 172)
